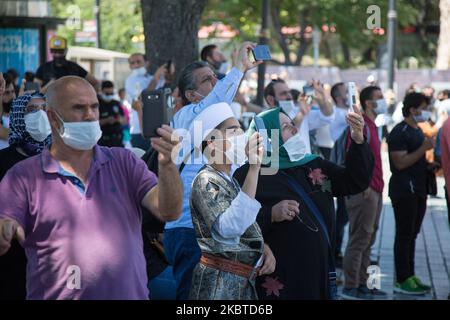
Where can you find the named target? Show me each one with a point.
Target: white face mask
(295, 147)
(286, 105)
(381, 106)
(37, 125)
(139, 71)
(107, 97)
(424, 116)
(81, 135)
(236, 153)
(223, 67)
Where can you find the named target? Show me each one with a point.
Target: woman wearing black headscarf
(29, 134)
(297, 214)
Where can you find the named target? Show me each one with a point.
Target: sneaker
(376, 294)
(421, 284)
(355, 294)
(409, 286)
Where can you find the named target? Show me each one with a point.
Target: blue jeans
(163, 286)
(183, 253)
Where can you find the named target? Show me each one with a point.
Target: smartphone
(351, 95)
(261, 128)
(261, 52)
(155, 111)
(169, 64)
(308, 91)
(31, 86)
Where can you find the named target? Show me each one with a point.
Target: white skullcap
(208, 120)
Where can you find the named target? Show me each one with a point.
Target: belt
(226, 265)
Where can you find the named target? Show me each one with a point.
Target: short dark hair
(8, 79)
(121, 90)
(207, 51)
(366, 95)
(295, 94)
(138, 54)
(13, 72)
(186, 80)
(106, 84)
(269, 90)
(413, 100)
(335, 90)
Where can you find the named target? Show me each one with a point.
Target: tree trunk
(304, 43)
(443, 51)
(345, 52)
(171, 31)
(275, 15)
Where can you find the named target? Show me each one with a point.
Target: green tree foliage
(348, 17)
(121, 20)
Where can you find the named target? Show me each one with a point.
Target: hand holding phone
(155, 111)
(261, 128)
(351, 95)
(261, 53)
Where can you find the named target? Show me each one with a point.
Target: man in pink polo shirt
(364, 209)
(76, 207)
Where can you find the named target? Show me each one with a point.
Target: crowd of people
(227, 208)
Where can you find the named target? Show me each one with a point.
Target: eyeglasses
(9, 92)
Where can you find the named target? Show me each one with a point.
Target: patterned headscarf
(18, 135)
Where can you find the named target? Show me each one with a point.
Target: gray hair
(186, 81)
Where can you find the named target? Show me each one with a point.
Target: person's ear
(271, 101)
(191, 96)
(53, 120)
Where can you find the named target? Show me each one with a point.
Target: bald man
(76, 207)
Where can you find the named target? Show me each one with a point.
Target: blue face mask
(424, 116)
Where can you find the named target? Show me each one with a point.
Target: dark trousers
(448, 203)
(13, 273)
(138, 141)
(341, 222)
(183, 253)
(409, 213)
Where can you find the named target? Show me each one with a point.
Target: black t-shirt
(112, 133)
(8, 158)
(13, 263)
(411, 180)
(49, 70)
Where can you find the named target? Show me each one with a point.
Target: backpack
(342, 144)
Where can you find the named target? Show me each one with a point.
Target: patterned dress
(211, 195)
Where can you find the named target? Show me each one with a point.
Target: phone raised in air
(261, 53)
(351, 95)
(261, 128)
(156, 111)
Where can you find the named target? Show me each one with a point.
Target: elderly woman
(29, 134)
(297, 214)
(224, 214)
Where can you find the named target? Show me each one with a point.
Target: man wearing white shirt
(137, 81)
(339, 95)
(199, 88)
(278, 94)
